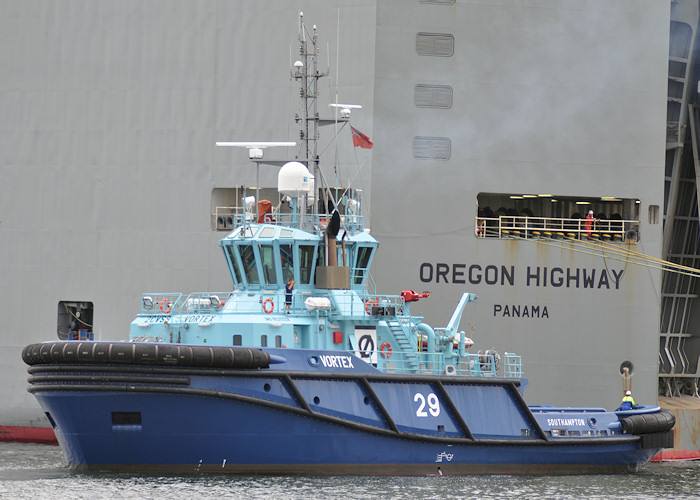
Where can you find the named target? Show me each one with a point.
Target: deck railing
(269, 302)
(516, 226)
(229, 218)
(473, 365)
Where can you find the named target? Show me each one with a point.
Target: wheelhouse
(265, 256)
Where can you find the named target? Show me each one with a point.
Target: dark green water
(39, 472)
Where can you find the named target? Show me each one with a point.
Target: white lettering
(565, 422)
(336, 361)
(445, 455)
(433, 405)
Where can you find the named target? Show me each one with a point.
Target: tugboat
(304, 368)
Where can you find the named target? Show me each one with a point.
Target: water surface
(38, 471)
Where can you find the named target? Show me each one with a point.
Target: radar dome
(294, 179)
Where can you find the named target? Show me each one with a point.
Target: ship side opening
(518, 215)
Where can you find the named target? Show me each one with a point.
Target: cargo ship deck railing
(511, 226)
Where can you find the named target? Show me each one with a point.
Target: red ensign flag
(360, 139)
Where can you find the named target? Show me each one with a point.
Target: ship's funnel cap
(294, 179)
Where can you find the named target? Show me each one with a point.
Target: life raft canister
(387, 346)
(268, 305)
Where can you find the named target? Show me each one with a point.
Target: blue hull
(190, 434)
(292, 418)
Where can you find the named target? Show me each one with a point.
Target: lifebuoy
(268, 301)
(164, 305)
(369, 304)
(386, 345)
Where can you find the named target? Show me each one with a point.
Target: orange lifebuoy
(386, 345)
(164, 305)
(268, 301)
(369, 304)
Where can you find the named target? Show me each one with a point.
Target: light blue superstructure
(261, 257)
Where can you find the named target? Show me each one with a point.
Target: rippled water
(38, 471)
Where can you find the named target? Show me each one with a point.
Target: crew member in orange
(589, 223)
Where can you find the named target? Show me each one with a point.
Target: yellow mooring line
(615, 252)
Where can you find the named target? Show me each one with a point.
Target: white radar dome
(294, 179)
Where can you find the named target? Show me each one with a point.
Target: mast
(306, 72)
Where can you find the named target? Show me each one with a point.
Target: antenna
(255, 148)
(345, 108)
(255, 152)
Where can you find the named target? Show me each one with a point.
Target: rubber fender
(137, 353)
(647, 423)
(658, 440)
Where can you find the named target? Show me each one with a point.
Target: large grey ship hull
(110, 112)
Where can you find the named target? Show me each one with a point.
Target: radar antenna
(255, 152)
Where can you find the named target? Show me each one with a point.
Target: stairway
(409, 358)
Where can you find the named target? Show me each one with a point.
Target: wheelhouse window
(234, 263)
(287, 259)
(306, 260)
(267, 232)
(363, 256)
(249, 267)
(267, 258)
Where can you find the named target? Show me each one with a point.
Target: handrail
(370, 285)
(471, 365)
(230, 218)
(507, 226)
